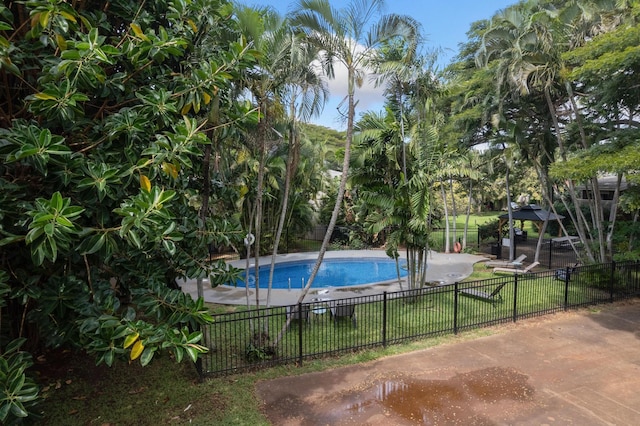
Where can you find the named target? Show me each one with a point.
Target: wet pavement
(574, 368)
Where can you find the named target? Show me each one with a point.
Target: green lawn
(426, 314)
(477, 218)
(75, 391)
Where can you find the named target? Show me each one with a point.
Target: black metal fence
(255, 339)
(438, 238)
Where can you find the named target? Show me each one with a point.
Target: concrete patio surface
(444, 268)
(571, 368)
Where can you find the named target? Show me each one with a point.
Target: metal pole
(300, 321)
(455, 308)
(384, 319)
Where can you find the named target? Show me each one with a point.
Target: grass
(427, 314)
(75, 391)
(78, 392)
(476, 218)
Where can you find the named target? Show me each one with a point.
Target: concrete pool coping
(444, 268)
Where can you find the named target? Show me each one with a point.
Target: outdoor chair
(505, 263)
(565, 274)
(295, 314)
(484, 296)
(520, 234)
(342, 311)
(516, 271)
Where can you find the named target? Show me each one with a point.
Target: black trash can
(496, 250)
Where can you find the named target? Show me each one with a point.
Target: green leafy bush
(103, 175)
(19, 394)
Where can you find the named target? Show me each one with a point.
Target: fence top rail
(480, 283)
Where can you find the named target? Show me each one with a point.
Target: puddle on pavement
(443, 401)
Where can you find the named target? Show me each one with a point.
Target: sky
(444, 24)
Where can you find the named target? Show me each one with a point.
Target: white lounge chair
(516, 270)
(505, 263)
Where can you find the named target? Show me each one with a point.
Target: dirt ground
(574, 368)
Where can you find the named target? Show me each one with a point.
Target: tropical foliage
(105, 116)
(139, 138)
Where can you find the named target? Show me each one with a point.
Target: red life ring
(457, 247)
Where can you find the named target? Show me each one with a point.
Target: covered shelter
(540, 218)
(531, 212)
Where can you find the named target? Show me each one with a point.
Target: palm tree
(526, 42)
(471, 161)
(347, 37)
(269, 34)
(305, 93)
(393, 205)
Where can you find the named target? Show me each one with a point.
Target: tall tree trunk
(259, 338)
(454, 212)
(337, 205)
(213, 118)
(204, 209)
(447, 248)
(258, 221)
(292, 164)
(636, 215)
(510, 213)
(468, 214)
(612, 216)
(595, 201)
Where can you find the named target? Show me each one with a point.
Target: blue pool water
(332, 273)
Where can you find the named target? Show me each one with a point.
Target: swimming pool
(332, 273)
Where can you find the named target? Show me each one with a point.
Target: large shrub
(106, 114)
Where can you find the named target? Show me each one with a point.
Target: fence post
(198, 363)
(384, 319)
(567, 278)
(515, 297)
(635, 281)
(455, 308)
(611, 280)
(300, 324)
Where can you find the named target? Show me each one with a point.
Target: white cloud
(368, 97)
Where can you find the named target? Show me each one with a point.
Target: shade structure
(532, 212)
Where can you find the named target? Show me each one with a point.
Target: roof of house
(607, 182)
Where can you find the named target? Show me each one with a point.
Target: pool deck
(444, 268)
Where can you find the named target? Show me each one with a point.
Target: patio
(576, 367)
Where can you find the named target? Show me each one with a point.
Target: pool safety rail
(260, 338)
